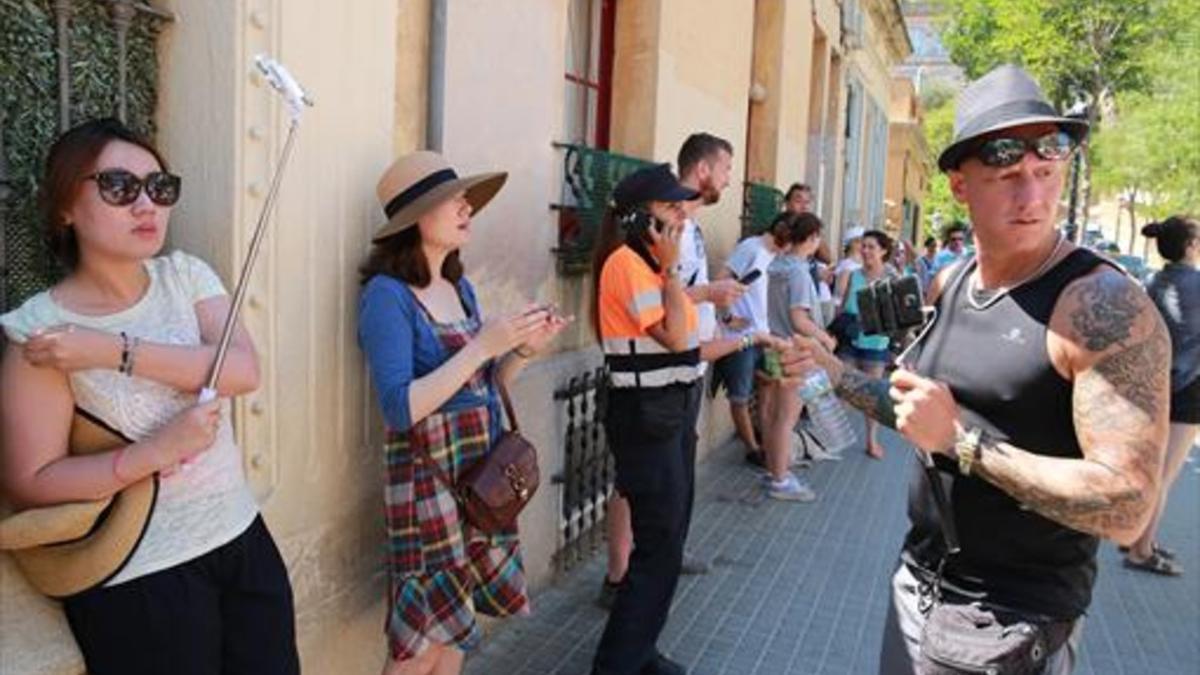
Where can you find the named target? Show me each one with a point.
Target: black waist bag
(968, 638)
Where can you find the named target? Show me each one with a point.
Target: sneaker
(693, 565)
(608, 594)
(790, 489)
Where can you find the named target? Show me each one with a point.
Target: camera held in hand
(890, 306)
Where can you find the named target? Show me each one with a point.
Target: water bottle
(830, 421)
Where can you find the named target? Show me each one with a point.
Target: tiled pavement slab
(802, 588)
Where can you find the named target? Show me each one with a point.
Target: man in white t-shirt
(705, 164)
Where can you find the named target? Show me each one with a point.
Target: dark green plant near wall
(29, 97)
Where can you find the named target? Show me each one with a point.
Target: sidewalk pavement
(803, 588)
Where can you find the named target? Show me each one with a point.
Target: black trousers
(652, 435)
(228, 612)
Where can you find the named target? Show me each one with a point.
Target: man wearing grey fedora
(1040, 389)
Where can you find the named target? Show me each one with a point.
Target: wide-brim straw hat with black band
(66, 549)
(418, 182)
(1004, 98)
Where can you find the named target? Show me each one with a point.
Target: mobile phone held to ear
(750, 277)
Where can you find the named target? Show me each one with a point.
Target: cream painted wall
(505, 97)
(312, 452)
(766, 79)
(505, 93)
(794, 92)
(412, 74)
(703, 85)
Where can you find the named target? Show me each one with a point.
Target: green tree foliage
(939, 130)
(1151, 146)
(1133, 62)
(1078, 51)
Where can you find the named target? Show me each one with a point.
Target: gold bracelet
(523, 354)
(968, 445)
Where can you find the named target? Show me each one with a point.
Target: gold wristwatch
(967, 443)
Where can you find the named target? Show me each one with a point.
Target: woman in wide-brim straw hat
(127, 337)
(435, 364)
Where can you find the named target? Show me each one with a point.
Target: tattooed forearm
(1085, 495)
(868, 394)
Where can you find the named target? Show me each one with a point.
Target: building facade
(909, 163)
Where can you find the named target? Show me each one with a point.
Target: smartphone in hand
(750, 277)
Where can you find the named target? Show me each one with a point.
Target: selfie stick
(295, 99)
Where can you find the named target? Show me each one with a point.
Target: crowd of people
(1053, 398)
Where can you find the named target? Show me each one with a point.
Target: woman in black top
(1176, 292)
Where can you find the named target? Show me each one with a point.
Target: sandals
(1156, 564)
(1162, 551)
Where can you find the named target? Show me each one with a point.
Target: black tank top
(996, 363)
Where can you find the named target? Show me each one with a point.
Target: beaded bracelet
(132, 355)
(128, 348)
(125, 353)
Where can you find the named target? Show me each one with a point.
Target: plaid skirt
(442, 570)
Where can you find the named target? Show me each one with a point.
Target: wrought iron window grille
(589, 176)
(760, 204)
(586, 480)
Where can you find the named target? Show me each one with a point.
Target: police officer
(648, 328)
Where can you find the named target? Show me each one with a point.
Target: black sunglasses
(119, 187)
(1007, 151)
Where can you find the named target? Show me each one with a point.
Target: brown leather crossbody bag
(493, 492)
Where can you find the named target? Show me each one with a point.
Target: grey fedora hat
(1005, 97)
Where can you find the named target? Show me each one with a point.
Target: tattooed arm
(1109, 340)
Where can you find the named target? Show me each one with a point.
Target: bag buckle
(516, 480)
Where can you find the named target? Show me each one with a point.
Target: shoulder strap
(508, 407)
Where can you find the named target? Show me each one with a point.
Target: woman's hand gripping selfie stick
(940, 498)
(295, 99)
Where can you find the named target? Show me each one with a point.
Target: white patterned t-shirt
(206, 503)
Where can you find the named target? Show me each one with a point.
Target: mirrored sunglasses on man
(1009, 150)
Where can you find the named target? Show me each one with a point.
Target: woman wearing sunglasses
(127, 337)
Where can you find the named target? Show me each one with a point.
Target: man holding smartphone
(1040, 389)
